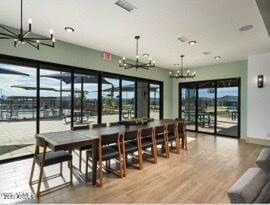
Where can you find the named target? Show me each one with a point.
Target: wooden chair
(109, 148)
(112, 124)
(147, 140)
(83, 148)
(46, 159)
(172, 136)
(181, 127)
(130, 145)
(94, 126)
(161, 139)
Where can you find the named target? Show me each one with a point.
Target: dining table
(70, 140)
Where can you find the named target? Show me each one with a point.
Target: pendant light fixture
(180, 72)
(22, 36)
(123, 63)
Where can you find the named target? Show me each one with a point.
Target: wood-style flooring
(202, 174)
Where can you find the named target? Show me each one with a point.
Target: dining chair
(94, 126)
(147, 140)
(109, 148)
(45, 159)
(160, 134)
(112, 124)
(181, 127)
(172, 136)
(130, 145)
(83, 148)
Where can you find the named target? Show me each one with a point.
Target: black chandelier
(137, 64)
(180, 72)
(22, 38)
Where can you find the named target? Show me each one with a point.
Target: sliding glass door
(227, 107)
(206, 107)
(188, 105)
(211, 106)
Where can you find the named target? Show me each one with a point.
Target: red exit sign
(107, 56)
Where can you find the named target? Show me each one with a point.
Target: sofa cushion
(263, 161)
(248, 187)
(264, 196)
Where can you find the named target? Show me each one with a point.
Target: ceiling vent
(183, 39)
(125, 5)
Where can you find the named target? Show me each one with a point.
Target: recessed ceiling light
(217, 57)
(69, 29)
(192, 42)
(146, 55)
(245, 28)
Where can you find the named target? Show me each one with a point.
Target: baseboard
(263, 142)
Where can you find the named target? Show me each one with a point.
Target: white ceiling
(101, 25)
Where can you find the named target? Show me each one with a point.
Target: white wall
(258, 105)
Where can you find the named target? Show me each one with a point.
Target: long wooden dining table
(70, 140)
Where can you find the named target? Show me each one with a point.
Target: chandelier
(22, 36)
(123, 63)
(180, 73)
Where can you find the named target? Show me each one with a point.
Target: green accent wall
(219, 71)
(74, 55)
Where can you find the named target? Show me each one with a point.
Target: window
(110, 100)
(128, 99)
(55, 100)
(17, 110)
(154, 101)
(85, 99)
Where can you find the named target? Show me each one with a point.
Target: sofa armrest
(248, 187)
(263, 161)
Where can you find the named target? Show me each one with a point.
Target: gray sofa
(254, 185)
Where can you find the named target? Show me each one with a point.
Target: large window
(154, 101)
(55, 100)
(110, 100)
(38, 97)
(85, 99)
(128, 99)
(17, 110)
(211, 106)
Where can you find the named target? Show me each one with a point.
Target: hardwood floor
(201, 174)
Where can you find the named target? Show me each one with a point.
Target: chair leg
(154, 152)
(61, 169)
(71, 175)
(125, 165)
(177, 142)
(32, 172)
(140, 159)
(39, 180)
(100, 173)
(185, 142)
(80, 161)
(86, 165)
(121, 166)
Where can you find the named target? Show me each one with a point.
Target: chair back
(131, 135)
(80, 127)
(146, 133)
(108, 139)
(40, 142)
(112, 124)
(94, 126)
(171, 129)
(159, 130)
(181, 128)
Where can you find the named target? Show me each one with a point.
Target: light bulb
(120, 62)
(124, 58)
(30, 21)
(170, 73)
(178, 71)
(137, 57)
(154, 62)
(188, 71)
(37, 41)
(53, 40)
(51, 31)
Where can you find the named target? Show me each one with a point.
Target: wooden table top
(65, 140)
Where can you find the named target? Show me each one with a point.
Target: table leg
(94, 163)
